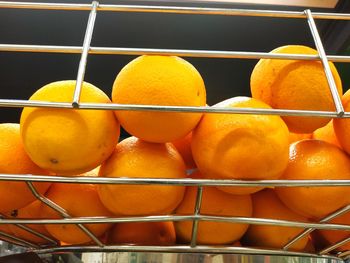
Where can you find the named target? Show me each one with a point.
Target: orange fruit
(143, 234)
(14, 160)
(79, 200)
(31, 211)
(334, 236)
(327, 134)
(295, 84)
(139, 159)
(217, 203)
(159, 80)
(266, 204)
(294, 137)
(68, 142)
(315, 160)
(241, 146)
(342, 126)
(183, 145)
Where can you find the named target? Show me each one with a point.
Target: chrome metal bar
(324, 220)
(240, 220)
(167, 181)
(182, 249)
(197, 210)
(173, 52)
(29, 103)
(344, 255)
(173, 9)
(63, 212)
(84, 54)
(334, 246)
(326, 67)
(32, 231)
(19, 240)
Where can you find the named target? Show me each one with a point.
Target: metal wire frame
(86, 49)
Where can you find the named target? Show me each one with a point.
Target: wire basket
(196, 217)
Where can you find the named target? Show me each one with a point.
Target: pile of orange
(170, 145)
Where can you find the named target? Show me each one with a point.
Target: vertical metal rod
(336, 245)
(84, 54)
(18, 240)
(331, 83)
(324, 220)
(63, 213)
(196, 212)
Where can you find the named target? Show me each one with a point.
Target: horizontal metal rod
(132, 107)
(173, 9)
(182, 249)
(173, 52)
(168, 181)
(239, 220)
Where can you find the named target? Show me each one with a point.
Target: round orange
(143, 234)
(31, 211)
(342, 126)
(183, 145)
(266, 204)
(327, 134)
(159, 80)
(295, 84)
(14, 160)
(241, 146)
(315, 160)
(69, 142)
(134, 158)
(216, 203)
(79, 200)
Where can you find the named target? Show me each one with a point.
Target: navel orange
(315, 160)
(295, 84)
(159, 80)
(266, 204)
(14, 160)
(68, 142)
(241, 146)
(135, 158)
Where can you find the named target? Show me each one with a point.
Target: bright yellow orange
(159, 80)
(79, 200)
(69, 142)
(315, 160)
(294, 137)
(14, 160)
(266, 204)
(31, 211)
(334, 236)
(143, 234)
(295, 84)
(342, 126)
(214, 202)
(139, 159)
(327, 134)
(183, 145)
(241, 146)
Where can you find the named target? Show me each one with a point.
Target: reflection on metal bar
(239, 220)
(173, 9)
(324, 220)
(62, 212)
(182, 249)
(326, 67)
(18, 240)
(158, 51)
(334, 246)
(84, 54)
(168, 181)
(197, 209)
